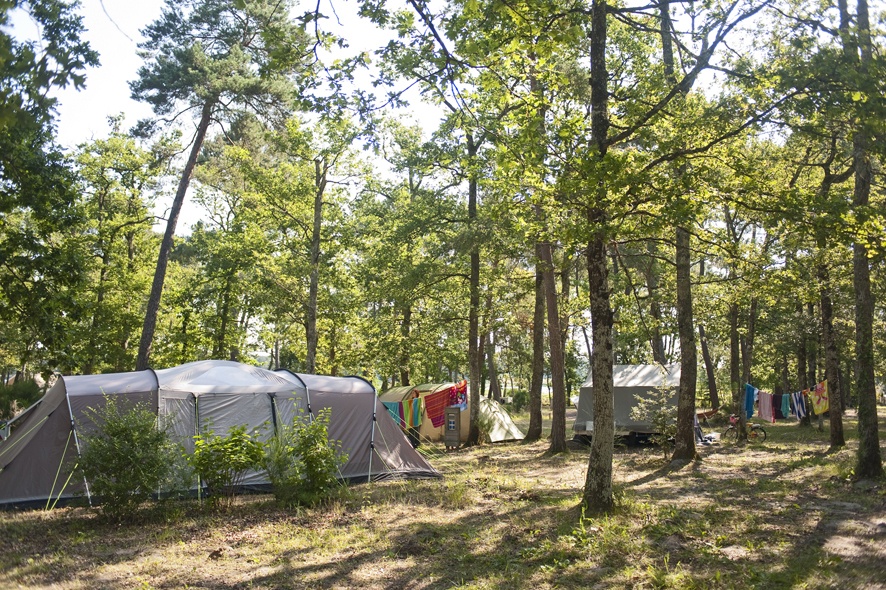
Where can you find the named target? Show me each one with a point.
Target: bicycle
(756, 433)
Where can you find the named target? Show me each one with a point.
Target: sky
(113, 30)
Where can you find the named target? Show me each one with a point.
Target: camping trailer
(36, 460)
(629, 381)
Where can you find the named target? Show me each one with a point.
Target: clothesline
(781, 406)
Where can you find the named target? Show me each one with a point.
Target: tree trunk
(153, 307)
(869, 463)
(597, 496)
(405, 330)
(558, 386)
(474, 303)
(320, 172)
(709, 368)
(492, 371)
(735, 370)
(832, 359)
(538, 355)
(684, 442)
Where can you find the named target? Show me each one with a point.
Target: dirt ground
(782, 514)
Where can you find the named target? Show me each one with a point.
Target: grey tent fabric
(376, 447)
(629, 381)
(36, 461)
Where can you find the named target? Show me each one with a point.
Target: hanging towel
(394, 411)
(435, 404)
(799, 404)
(776, 406)
(766, 407)
(413, 408)
(818, 397)
(750, 392)
(786, 405)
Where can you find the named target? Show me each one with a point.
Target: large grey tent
(36, 460)
(629, 381)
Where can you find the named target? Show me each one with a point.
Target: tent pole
(77, 443)
(372, 437)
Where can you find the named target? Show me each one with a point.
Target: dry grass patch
(784, 514)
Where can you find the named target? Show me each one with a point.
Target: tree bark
(832, 359)
(869, 463)
(558, 385)
(597, 496)
(684, 441)
(405, 330)
(144, 348)
(474, 359)
(312, 337)
(538, 355)
(709, 368)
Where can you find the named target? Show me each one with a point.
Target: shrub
(127, 458)
(17, 396)
(519, 400)
(223, 461)
(661, 413)
(302, 462)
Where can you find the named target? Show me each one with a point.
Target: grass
(782, 514)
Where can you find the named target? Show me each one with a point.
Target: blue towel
(750, 393)
(394, 411)
(786, 405)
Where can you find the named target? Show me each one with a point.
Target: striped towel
(799, 404)
(435, 404)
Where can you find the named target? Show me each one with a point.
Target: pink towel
(766, 410)
(435, 404)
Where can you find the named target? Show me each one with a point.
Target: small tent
(502, 427)
(629, 381)
(36, 460)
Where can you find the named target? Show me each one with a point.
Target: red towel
(435, 404)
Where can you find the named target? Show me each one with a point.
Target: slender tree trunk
(597, 496)
(832, 359)
(224, 314)
(320, 171)
(650, 272)
(492, 371)
(709, 368)
(735, 371)
(684, 442)
(538, 355)
(474, 305)
(558, 386)
(812, 351)
(405, 330)
(150, 325)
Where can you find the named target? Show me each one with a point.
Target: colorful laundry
(394, 410)
(413, 409)
(435, 405)
(786, 405)
(799, 402)
(818, 397)
(777, 406)
(765, 408)
(750, 393)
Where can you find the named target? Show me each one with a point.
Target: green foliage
(519, 400)
(223, 461)
(302, 462)
(17, 396)
(127, 458)
(659, 411)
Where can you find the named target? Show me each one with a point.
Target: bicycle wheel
(757, 434)
(730, 434)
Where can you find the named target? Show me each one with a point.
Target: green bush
(127, 458)
(17, 396)
(519, 400)
(302, 462)
(223, 461)
(661, 413)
